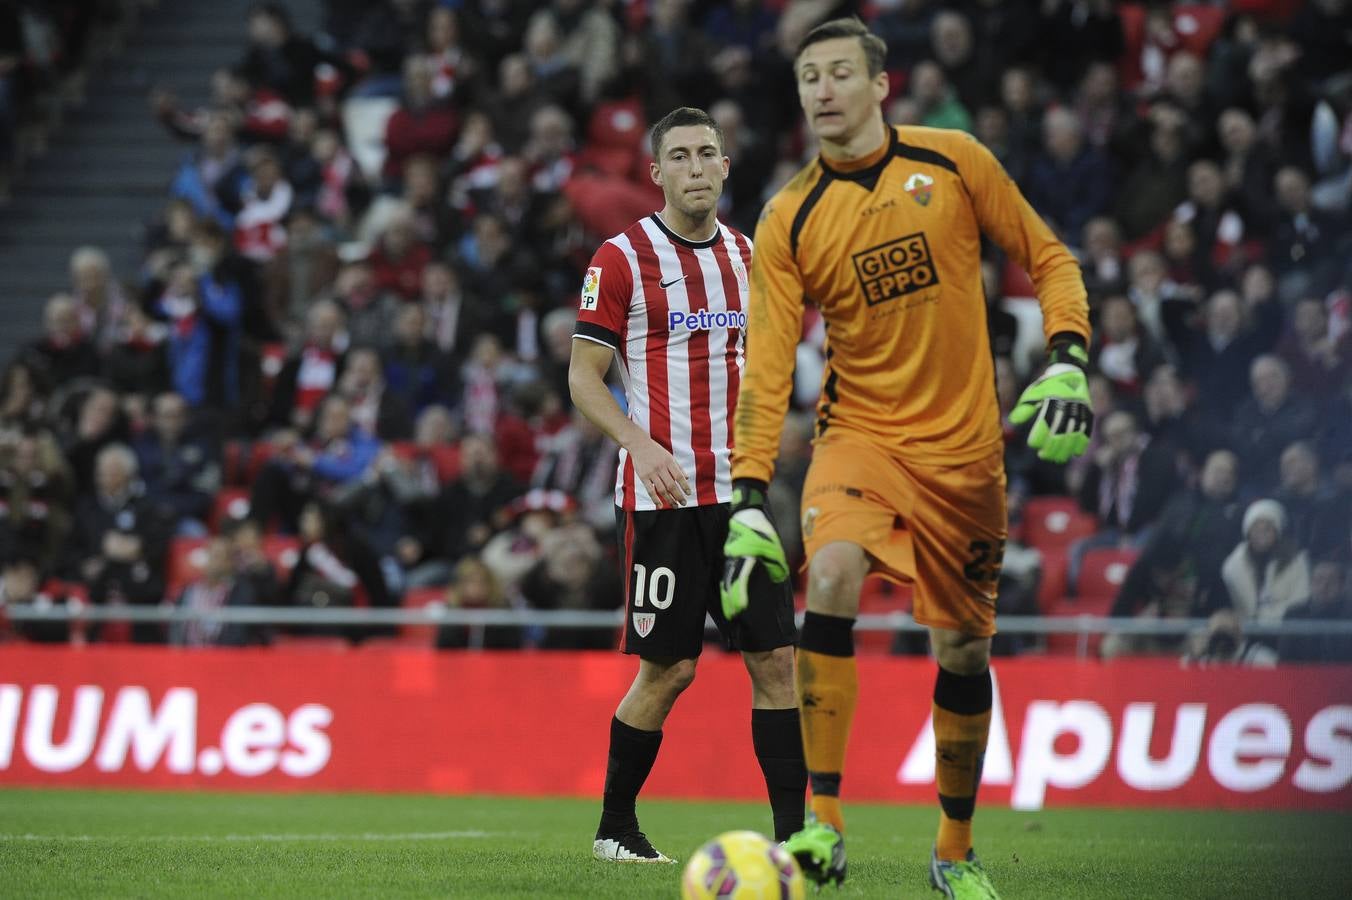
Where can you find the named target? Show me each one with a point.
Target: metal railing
(1084, 627)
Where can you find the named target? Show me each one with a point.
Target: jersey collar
(693, 245)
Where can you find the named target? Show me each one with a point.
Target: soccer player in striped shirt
(667, 298)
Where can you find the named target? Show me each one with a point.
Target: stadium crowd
(339, 377)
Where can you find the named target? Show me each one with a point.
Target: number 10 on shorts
(661, 588)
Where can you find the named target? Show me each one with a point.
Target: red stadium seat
(1068, 644)
(187, 557)
(1103, 571)
(1051, 589)
(231, 504)
(417, 598)
(1055, 522)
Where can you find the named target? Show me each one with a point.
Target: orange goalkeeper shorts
(941, 527)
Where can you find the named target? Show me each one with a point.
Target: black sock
(632, 754)
(776, 735)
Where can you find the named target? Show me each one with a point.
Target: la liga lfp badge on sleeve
(591, 287)
(643, 623)
(921, 187)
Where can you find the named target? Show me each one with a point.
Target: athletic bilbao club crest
(591, 287)
(920, 187)
(740, 271)
(643, 623)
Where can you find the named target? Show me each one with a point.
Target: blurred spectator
(375, 409)
(217, 588)
(333, 458)
(1247, 165)
(462, 518)
(1319, 518)
(1319, 364)
(573, 574)
(421, 124)
(181, 471)
(35, 498)
(474, 586)
(117, 545)
(22, 583)
(1163, 584)
(204, 332)
(138, 361)
(1102, 263)
(335, 570)
(98, 422)
(1223, 643)
(23, 397)
(515, 549)
(453, 320)
(311, 370)
(1216, 352)
(64, 352)
(587, 40)
(398, 258)
(1269, 421)
(303, 270)
(1330, 599)
(278, 59)
(100, 300)
(1203, 524)
(212, 177)
(1266, 574)
(1158, 182)
(1121, 349)
(250, 562)
(1069, 182)
(1074, 33)
(415, 370)
(1219, 226)
(579, 461)
(264, 202)
(1306, 242)
(1126, 487)
(368, 312)
(936, 103)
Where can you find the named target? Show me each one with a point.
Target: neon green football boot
(820, 851)
(964, 880)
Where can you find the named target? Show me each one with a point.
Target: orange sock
(828, 687)
(960, 748)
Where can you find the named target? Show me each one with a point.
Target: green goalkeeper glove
(1060, 398)
(751, 539)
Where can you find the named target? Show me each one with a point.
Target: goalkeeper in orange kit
(882, 233)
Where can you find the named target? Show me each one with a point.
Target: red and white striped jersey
(674, 311)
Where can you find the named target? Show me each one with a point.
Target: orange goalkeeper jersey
(889, 249)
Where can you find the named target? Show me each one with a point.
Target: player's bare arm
(654, 466)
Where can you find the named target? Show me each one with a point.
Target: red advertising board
(1064, 733)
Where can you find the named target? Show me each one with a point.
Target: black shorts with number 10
(673, 563)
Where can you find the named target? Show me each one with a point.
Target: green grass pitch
(159, 844)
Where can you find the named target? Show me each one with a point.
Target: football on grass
(742, 865)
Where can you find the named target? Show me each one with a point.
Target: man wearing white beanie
(1263, 575)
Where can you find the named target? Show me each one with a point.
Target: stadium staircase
(109, 163)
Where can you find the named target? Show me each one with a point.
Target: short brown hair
(874, 47)
(683, 115)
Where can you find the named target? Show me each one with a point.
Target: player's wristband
(1067, 347)
(748, 493)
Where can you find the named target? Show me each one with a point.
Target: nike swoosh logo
(666, 284)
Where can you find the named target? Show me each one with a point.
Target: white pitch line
(365, 836)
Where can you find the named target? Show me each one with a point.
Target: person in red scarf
(311, 371)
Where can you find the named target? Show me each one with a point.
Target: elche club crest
(921, 187)
(643, 623)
